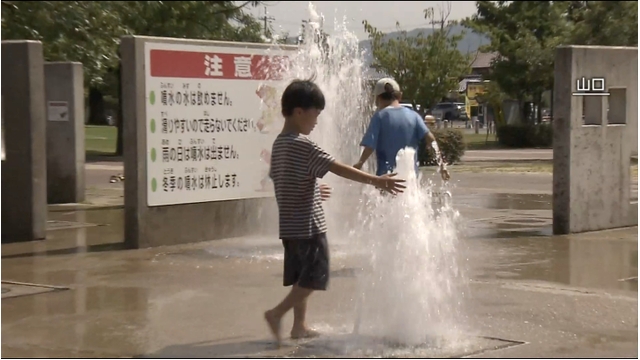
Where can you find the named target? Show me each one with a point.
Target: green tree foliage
(212, 20)
(426, 67)
(612, 23)
(83, 31)
(524, 34)
(90, 31)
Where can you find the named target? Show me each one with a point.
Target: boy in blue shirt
(392, 128)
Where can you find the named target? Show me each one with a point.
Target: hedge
(452, 146)
(523, 136)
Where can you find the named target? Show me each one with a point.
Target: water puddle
(603, 260)
(506, 201)
(75, 232)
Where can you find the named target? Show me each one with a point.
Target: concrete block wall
(594, 138)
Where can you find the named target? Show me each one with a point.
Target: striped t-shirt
(296, 163)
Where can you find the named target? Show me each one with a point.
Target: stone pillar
(594, 135)
(64, 93)
(24, 184)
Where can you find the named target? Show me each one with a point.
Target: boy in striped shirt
(296, 164)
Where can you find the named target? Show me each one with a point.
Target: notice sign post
(198, 136)
(206, 134)
(57, 110)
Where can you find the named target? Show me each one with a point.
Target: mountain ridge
(469, 43)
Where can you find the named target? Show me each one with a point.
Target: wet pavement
(530, 294)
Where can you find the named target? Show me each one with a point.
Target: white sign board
(212, 114)
(57, 111)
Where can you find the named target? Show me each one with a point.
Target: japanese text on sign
(209, 134)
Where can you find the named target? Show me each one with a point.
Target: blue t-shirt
(390, 130)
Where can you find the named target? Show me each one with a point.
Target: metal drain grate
(359, 346)
(350, 346)
(11, 289)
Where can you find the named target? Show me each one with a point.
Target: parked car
(449, 111)
(418, 108)
(409, 106)
(463, 111)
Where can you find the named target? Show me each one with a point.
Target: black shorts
(306, 262)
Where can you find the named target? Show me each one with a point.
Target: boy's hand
(325, 192)
(444, 173)
(389, 184)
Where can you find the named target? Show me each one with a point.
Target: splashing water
(337, 66)
(408, 287)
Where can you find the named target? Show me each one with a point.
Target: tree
(612, 23)
(426, 67)
(282, 38)
(83, 31)
(524, 34)
(210, 20)
(89, 32)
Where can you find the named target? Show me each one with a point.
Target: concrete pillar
(592, 147)
(24, 184)
(64, 92)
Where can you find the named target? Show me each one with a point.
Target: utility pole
(301, 36)
(436, 22)
(267, 21)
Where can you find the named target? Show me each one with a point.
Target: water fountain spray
(408, 287)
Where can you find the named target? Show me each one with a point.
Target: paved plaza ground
(529, 294)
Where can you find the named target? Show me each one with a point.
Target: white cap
(379, 89)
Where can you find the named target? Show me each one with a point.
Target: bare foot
(274, 325)
(304, 334)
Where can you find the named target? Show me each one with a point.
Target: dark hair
(303, 94)
(389, 93)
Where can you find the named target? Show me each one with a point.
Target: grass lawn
(480, 141)
(100, 140)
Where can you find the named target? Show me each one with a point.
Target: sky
(383, 15)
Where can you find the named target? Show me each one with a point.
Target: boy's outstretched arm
(385, 182)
